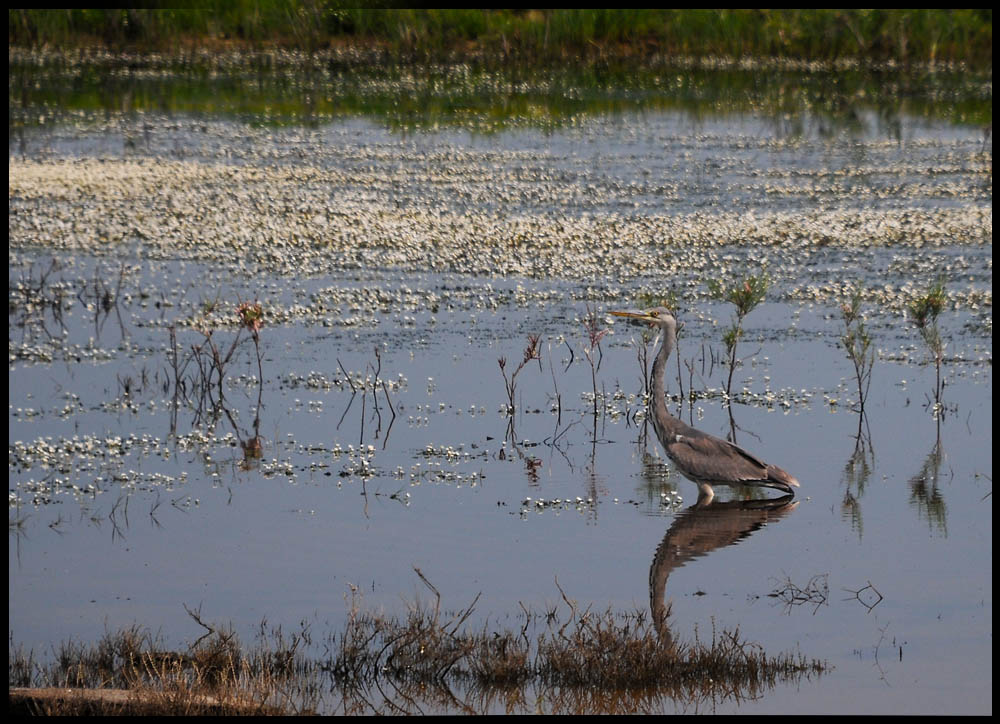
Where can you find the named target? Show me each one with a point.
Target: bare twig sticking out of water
(346, 410)
(372, 376)
(212, 364)
(572, 355)
(696, 366)
(642, 357)
(868, 596)
(555, 386)
(178, 369)
(204, 388)
(35, 299)
(815, 592)
(377, 371)
(346, 375)
(116, 530)
(592, 326)
(104, 301)
(385, 390)
(437, 594)
(354, 393)
(225, 639)
(32, 300)
(152, 510)
(878, 645)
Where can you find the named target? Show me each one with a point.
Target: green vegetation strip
(905, 36)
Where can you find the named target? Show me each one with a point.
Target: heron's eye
(654, 313)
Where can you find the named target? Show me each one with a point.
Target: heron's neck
(659, 402)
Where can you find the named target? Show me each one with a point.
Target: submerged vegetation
(580, 661)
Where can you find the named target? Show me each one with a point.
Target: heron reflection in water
(702, 458)
(701, 529)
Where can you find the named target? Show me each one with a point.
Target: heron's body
(702, 458)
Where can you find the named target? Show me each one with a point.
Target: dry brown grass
(426, 661)
(131, 672)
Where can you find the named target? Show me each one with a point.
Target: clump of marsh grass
(609, 651)
(745, 296)
(389, 664)
(132, 672)
(925, 310)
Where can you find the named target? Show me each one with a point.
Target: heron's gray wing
(708, 458)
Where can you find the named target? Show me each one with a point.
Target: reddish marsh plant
(532, 351)
(595, 333)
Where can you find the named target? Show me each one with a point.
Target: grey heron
(702, 458)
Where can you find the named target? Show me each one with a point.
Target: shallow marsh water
(444, 251)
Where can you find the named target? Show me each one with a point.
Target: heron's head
(659, 317)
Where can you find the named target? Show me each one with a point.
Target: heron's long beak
(647, 317)
(634, 314)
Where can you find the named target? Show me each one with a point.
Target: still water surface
(123, 509)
